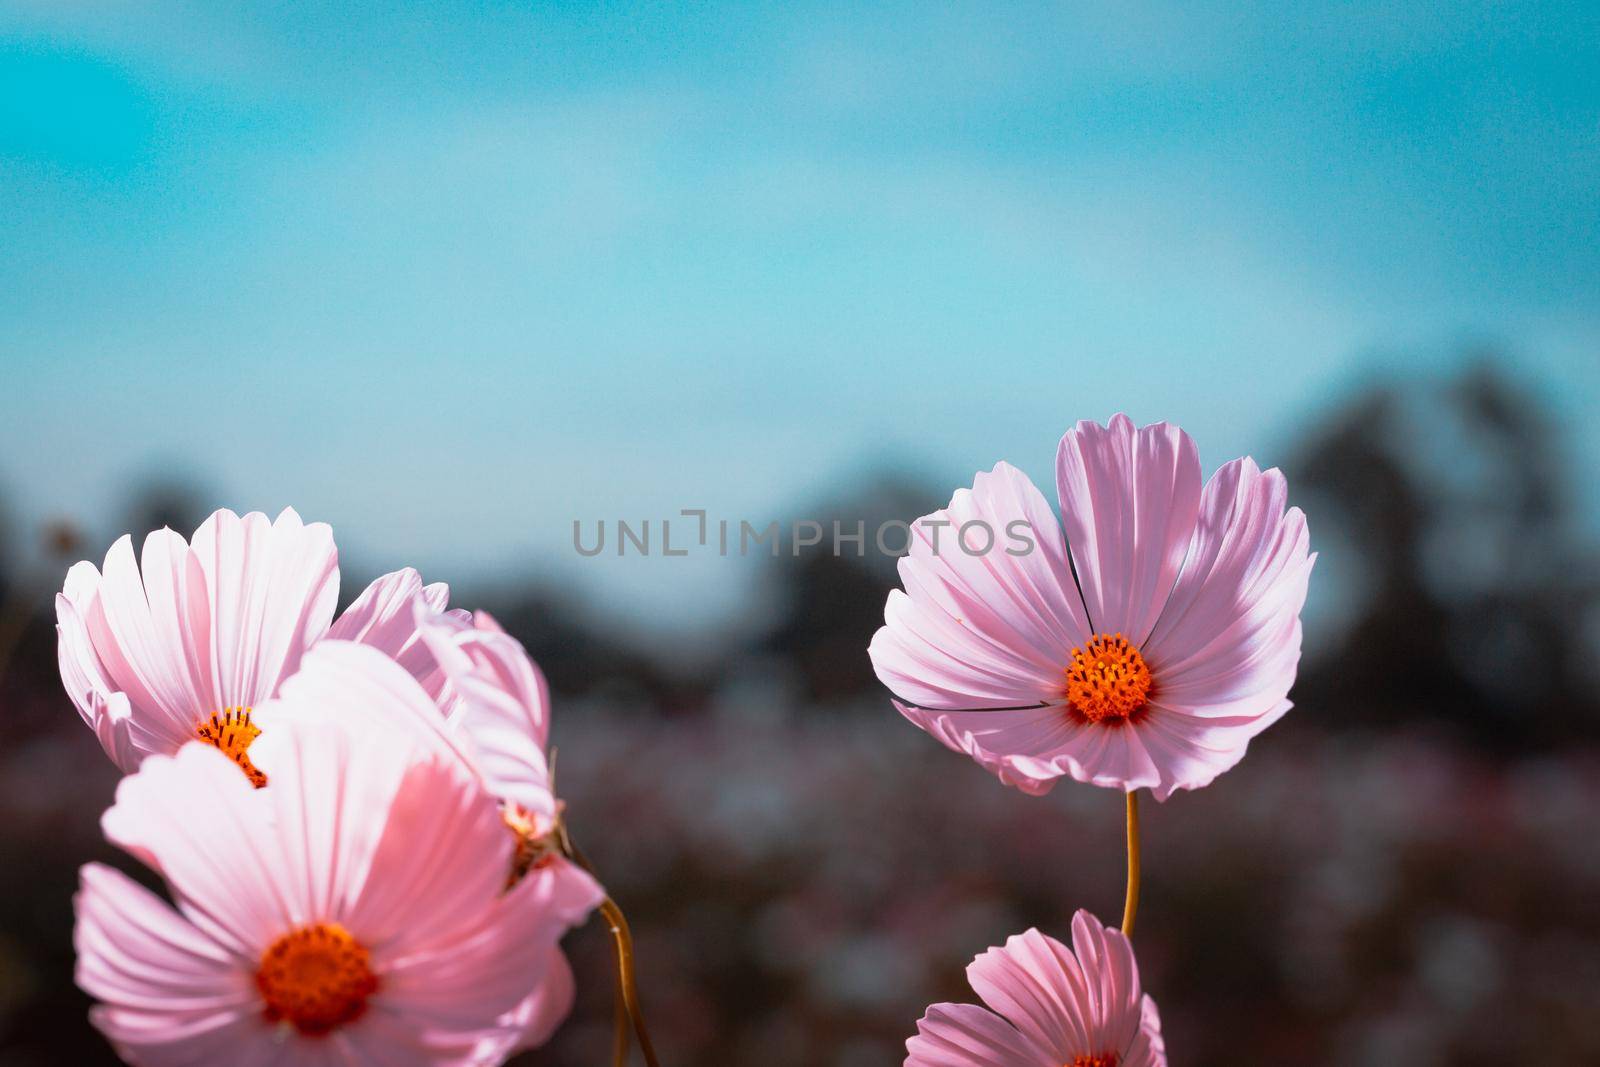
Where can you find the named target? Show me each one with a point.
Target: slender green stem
(1130, 905)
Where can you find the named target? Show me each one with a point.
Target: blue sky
(454, 275)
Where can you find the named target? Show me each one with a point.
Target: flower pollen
(316, 978)
(1108, 1060)
(1107, 682)
(231, 731)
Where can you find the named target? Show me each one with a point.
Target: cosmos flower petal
(562, 890)
(965, 1035)
(165, 1040)
(1050, 1005)
(1193, 749)
(1149, 1049)
(501, 702)
(543, 1011)
(137, 656)
(996, 738)
(327, 808)
(1129, 500)
(450, 979)
(272, 587)
(106, 711)
(117, 731)
(135, 951)
(384, 710)
(212, 857)
(982, 629)
(1243, 583)
(384, 617)
(370, 693)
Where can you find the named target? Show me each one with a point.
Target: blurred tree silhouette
(164, 501)
(830, 605)
(1455, 498)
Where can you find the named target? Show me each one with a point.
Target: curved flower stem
(622, 944)
(1130, 905)
(620, 1034)
(625, 976)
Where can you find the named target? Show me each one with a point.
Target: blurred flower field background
(1402, 871)
(451, 276)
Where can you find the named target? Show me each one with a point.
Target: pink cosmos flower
(496, 707)
(490, 720)
(354, 913)
(1141, 642)
(1048, 1006)
(187, 641)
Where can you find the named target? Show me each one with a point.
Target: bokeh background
(452, 277)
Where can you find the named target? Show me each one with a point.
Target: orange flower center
(1108, 1060)
(536, 847)
(232, 731)
(316, 978)
(1108, 680)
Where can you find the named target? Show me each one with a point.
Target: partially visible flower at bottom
(353, 913)
(1048, 1006)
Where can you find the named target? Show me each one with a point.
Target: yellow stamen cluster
(1108, 681)
(316, 978)
(232, 731)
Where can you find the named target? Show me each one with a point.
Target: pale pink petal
(236, 1040)
(1129, 500)
(563, 891)
(1149, 1049)
(1113, 1008)
(136, 651)
(169, 995)
(982, 629)
(1191, 749)
(1229, 628)
(443, 841)
(119, 733)
(330, 789)
(1048, 1005)
(965, 1035)
(1083, 1004)
(368, 693)
(444, 981)
(125, 738)
(341, 819)
(500, 702)
(1031, 748)
(383, 617)
(543, 1011)
(215, 857)
(180, 614)
(1227, 647)
(384, 1038)
(82, 674)
(272, 588)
